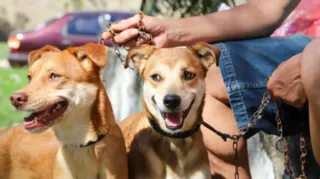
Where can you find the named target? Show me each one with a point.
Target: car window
(84, 26)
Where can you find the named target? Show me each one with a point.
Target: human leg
(310, 77)
(221, 153)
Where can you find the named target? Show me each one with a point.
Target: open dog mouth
(175, 120)
(45, 117)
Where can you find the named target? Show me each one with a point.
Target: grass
(3, 50)
(11, 79)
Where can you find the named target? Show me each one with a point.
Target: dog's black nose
(172, 101)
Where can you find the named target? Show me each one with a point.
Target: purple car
(70, 29)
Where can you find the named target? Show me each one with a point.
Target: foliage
(182, 8)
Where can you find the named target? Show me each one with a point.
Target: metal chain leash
(143, 37)
(282, 146)
(101, 42)
(257, 115)
(236, 157)
(303, 155)
(115, 45)
(252, 121)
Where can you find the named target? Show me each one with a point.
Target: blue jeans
(245, 66)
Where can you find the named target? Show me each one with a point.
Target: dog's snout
(172, 101)
(18, 99)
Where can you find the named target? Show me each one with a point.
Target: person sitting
(248, 57)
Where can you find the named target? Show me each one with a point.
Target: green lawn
(3, 50)
(11, 79)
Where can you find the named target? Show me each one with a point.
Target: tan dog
(64, 94)
(164, 140)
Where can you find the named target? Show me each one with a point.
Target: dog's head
(174, 86)
(62, 85)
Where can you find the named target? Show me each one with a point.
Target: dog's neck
(168, 147)
(87, 125)
(177, 145)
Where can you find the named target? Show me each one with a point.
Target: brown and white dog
(75, 135)
(164, 140)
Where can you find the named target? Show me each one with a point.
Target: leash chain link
(253, 120)
(101, 41)
(143, 37)
(284, 147)
(236, 157)
(303, 155)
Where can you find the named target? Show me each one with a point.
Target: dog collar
(100, 137)
(179, 135)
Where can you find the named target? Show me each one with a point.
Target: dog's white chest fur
(180, 171)
(77, 164)
(202, 174)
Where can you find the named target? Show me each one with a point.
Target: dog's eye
(29, 78)
(54, 76)
(187, 75)
(156, 77)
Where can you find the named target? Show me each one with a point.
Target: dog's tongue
(173, 119)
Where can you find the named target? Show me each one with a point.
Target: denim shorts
(245, 66)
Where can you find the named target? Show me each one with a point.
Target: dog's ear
(36, 54)
(139, 56)
(96, 53)
(206, 53)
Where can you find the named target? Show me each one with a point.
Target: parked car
(70, 29)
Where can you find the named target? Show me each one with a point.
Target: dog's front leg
(112, 156)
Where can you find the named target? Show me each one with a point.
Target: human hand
(285, 83)
(127, 30)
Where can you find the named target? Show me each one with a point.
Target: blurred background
(27, 25)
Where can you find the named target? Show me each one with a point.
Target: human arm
(258, 18)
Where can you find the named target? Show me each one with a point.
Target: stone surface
(265, 161)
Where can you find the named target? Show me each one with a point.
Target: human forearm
(255, 19)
